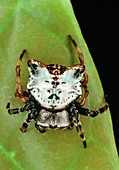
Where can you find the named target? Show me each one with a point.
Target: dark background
(98, 21)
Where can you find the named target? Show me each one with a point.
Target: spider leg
(30, 107)
(85, 80)
(91, 113)
(40, 128)
(82, 69)
(81, 57)
(14, 111)
(71, 123)
(19, 92)
(77, 123)
(31, 116)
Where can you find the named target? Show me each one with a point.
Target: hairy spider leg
(77, 123)
(19, 92)
(15, 110)
(85, 75)
(84, 85)
(40, 128)
(83, 100)
(85, 80)
(30, 107)
(30, 117)
(91, 113)
(71, 123)
(81, 57)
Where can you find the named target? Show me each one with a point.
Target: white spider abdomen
(55, 91)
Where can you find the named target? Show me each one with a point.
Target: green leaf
(42, 27)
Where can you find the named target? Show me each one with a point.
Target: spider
(52, 91)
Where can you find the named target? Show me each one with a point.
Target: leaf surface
(42, 27)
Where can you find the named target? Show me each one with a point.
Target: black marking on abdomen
(56, 97)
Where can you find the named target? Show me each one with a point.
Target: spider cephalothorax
(51, 95)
